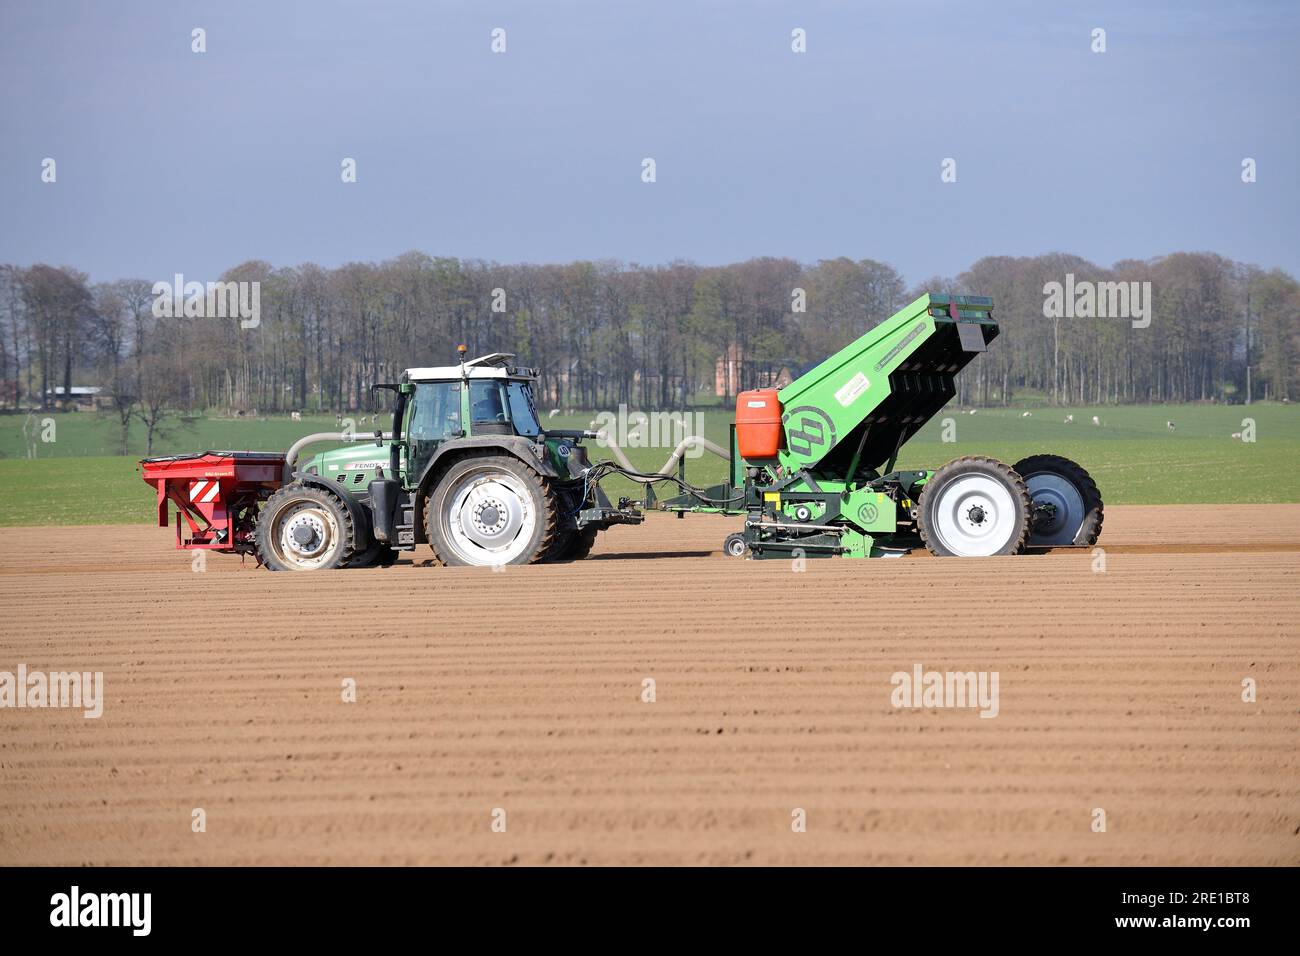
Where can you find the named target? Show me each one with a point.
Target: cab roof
(492, 365)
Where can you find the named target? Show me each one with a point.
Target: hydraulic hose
(627, 470)
(291, 456)
(674, 458)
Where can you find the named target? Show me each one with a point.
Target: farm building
(83, 398)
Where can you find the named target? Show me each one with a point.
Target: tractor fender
(529, 452)
(360, 513)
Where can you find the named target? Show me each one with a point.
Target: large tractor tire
(376, 556)
(490, 510)
(974, 507)
(575, 545)
(1076, 513)
(304, 528)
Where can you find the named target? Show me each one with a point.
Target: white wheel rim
(489, 518)
(975, 516)
(1058, 491)
(305, 537)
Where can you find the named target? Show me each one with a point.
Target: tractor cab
(486, 396)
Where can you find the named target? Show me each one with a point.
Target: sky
(168, 161)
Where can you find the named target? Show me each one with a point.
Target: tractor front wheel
(490, 510)
(974, 507)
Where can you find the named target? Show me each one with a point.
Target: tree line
(604, 333)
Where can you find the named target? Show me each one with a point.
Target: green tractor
(467, 469)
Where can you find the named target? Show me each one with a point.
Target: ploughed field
(522, 691)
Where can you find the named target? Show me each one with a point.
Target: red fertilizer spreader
(217, 494)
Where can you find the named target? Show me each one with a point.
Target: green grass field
(79, 479)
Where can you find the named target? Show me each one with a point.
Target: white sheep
(1026, 414)
(1069, 419)
(1237, 435)
(1096, 420)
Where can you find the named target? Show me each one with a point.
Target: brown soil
(522, 690)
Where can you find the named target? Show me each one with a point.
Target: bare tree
(605, 332)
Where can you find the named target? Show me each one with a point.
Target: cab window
(522, 411)
(434, 416)
(436, 412)
(501, 406)
(486, 403)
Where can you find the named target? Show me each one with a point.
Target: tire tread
(550, 507)
(1090, 530)
(298, 489)
(939, 478)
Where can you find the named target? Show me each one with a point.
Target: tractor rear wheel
(490, 510)
(1066, 504)
(974, 507)
(304, 528)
